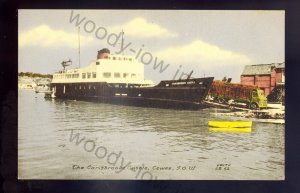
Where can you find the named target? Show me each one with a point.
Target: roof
(280, 65)
(258, 69)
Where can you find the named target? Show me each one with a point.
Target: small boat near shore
(42, 88)
(276, 116)
(230, 124)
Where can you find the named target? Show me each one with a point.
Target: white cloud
(45, 36)
(205, 58)
(202, 53)
(140, 27)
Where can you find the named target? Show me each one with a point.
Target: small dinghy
(230, 126)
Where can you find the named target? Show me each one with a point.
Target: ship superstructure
(108, 68)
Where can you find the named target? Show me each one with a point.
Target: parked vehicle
(236, 94)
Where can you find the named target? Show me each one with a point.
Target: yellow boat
(230, 124)
(230, 129)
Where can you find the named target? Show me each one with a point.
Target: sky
(168, 42)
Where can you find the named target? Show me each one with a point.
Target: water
(145, 137)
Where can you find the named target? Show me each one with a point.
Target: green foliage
(34, 75)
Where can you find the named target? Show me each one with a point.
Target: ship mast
(79, 46)
(122, 43)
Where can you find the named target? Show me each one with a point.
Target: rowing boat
(230, 124)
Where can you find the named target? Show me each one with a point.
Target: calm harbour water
(177, 142)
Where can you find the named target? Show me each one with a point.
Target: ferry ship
(119, 79)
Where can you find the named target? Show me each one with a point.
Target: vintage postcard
(151, 94)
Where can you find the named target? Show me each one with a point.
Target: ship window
(114, 58)
(130, 59)
(117, 75)
(73, 75)
(97, 63)
(94, 74)
(76, 75)
(125, 75)
(94, 87)
(80, 87)
(106, 74)
(83, 75)
(89, 86)
(88, 75)
(133, 75)
(84, 87)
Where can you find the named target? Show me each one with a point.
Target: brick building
(265, 76)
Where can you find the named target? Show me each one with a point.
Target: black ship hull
(175, 94)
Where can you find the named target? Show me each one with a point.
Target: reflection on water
(145, 136)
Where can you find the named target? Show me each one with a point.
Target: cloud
(202, 53)
(206, 58)
(44, 36)
(140, 27)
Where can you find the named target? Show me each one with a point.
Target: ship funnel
(103, 53)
